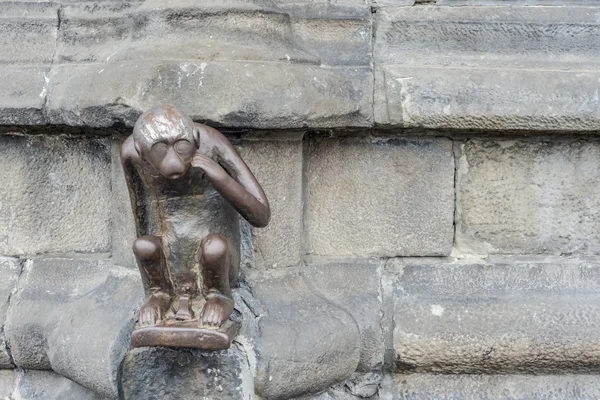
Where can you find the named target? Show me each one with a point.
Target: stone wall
(432, 168)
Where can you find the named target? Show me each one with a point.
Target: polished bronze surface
(187, 185)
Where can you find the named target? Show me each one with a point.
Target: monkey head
(166, 139)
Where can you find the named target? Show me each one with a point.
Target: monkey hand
(212, 169)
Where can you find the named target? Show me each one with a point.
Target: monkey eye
(159, 148)
(183, 146)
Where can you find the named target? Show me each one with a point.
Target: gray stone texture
(74, 316)
(10, 269)
(55, 194)
(163, 373)
(529, 196)
(487, 67)
(306, 342)
(278, 167)
(379, 197)
(353, 286)
(101, 65)
(506, 317)
(46, 385)
(497, 387)
(123, 232)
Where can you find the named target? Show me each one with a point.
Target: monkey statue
(187, 185)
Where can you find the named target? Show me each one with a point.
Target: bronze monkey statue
(187, 185)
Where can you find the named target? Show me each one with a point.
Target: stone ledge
(507, 387)
(497, 318)
(487, 68)
(108, 63)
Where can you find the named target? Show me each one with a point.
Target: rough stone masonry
(433, 169)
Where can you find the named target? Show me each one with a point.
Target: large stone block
(278, 167)
(529, 197)
(173, 374)
(505, 387)
(75, 317)
(28, 32)
(46, 385)
(487, 68)
(507, 317)
(306, 343)
(55, 195)
(10, 269)
(355, 288)
(100, 95)
(380, 197)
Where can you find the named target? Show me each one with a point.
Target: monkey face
(171, 158)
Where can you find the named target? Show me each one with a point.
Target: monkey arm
(134, 186)
(239, 187)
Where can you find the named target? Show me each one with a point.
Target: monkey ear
(196, 133)
(137, 149)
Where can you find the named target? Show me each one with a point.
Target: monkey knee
(214, 249)
(147, 248)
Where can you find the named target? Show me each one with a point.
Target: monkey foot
(217, 310)
(154, 309)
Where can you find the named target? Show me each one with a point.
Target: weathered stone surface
(508, 317)
(487, 67)
(306, 342)
(505, 387)
(23, 94)
(74, 316)
(353, 287)
(163, 373)
(34, 385)
(517, 2)
(529, 196)
(123, 232)
(28, 32)
(101, 95)
(278, 167)
(55, 195)
(380, 197)
(10, 268)
(358, 387)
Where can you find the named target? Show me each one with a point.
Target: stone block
(123, 232)
(163, 373)
(28, 32)
(380, 198)
(507, 317)
(10, 269)
(101, 95)
(74, 316)
(506, 387)
(306, 343)
(23, 94)
(355, 288)
(35, 385)
(529, 196)
(56, 195)
(278, 167)
(487, 68)
(337, 33)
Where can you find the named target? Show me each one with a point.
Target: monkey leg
(220, 271)
(148, 252)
